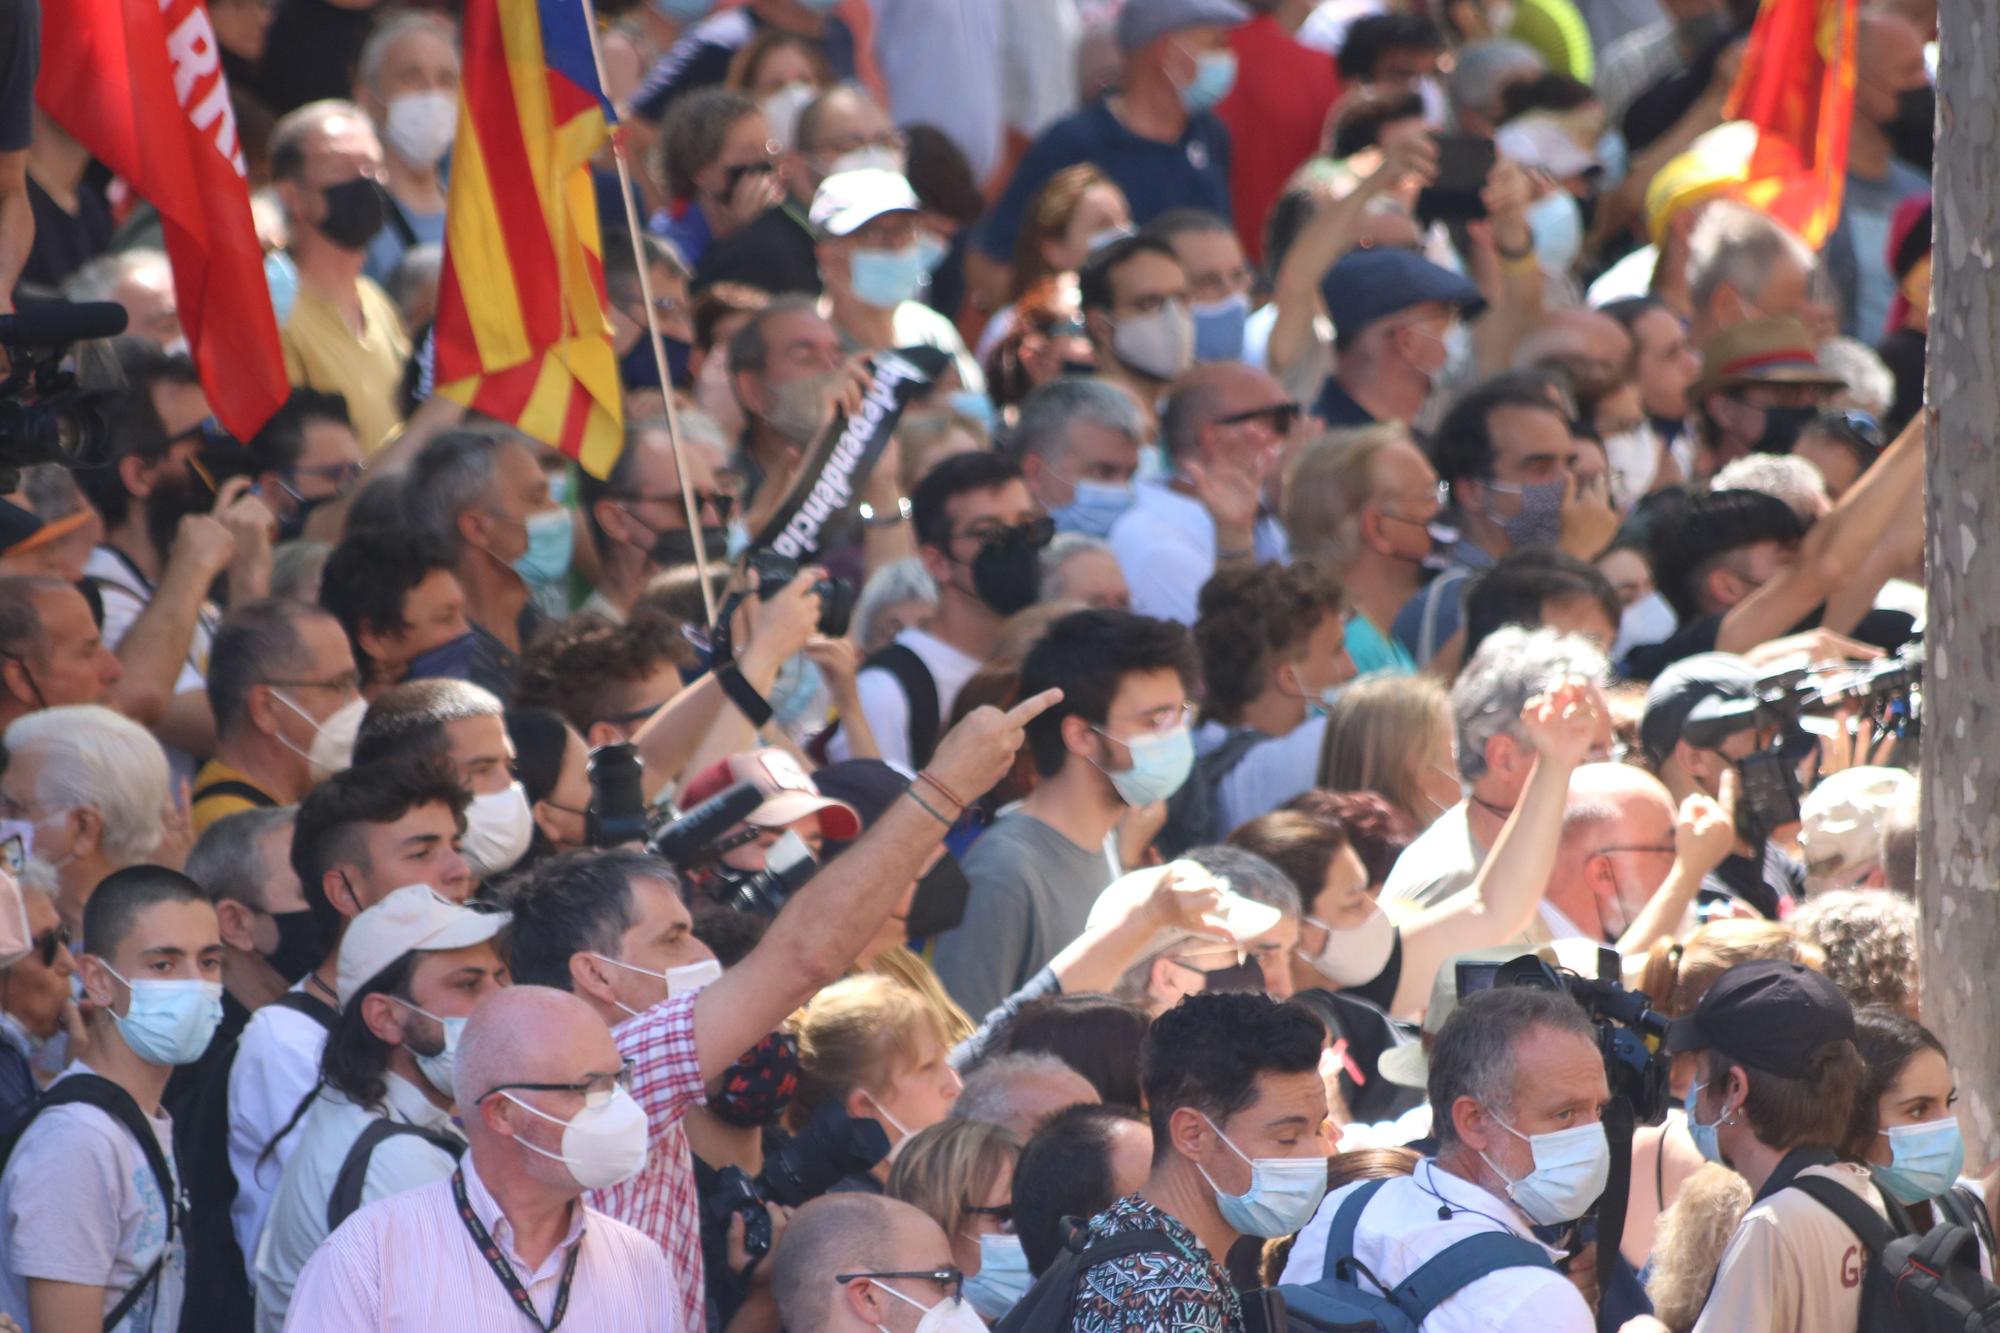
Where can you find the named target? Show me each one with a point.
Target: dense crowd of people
(1381, 486)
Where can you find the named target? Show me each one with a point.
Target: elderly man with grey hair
(243, 862)
(1020, 1091)
(1512, 666)
(407, 82)
(141, 280)
(474, 491)
(1785, 477)
(1480, 77)
(1509, 1068)
(91, 786)
(1078, 443)
(1742, 265)
(1081, 568)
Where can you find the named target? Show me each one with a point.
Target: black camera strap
(1619, 1120)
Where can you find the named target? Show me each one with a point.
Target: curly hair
(1376, 830)
(1692, 1237)
(1870, 942)
(591, 671)
(1249, 621)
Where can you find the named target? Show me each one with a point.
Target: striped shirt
(408, 1262)
(660, 1200)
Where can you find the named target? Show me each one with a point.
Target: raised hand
(1705, 829)
(1185, 897)
(1589, 520)
(1230, 492)
(1566, 723)
(977, 752)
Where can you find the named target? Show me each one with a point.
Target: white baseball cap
(415, 916)
(1235, 918)
(847, 201)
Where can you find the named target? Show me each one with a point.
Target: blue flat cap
(1372, 284)
(1140, 21)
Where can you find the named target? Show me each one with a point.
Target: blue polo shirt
(1190, 173)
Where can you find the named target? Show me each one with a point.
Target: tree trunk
(1959, 852)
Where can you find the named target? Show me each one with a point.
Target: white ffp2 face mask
(947, 1316)
(1356, 955)
(601, 1145)
(498, 828)
(421, 126)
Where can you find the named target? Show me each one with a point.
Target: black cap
(1769, 1014)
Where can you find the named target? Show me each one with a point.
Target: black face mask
(676, 546)
(939, 904)
(301, 945)
(1781, 428)
(1243, 976)
(1007, 571)
(1913, 133)
(292, 526)
(355, 211)
(638, 370)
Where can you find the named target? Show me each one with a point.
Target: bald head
(528, 1034)
(1209, 394)
(1617, 845)
(1019, 1092)
(852, 1233)
(1587, 344)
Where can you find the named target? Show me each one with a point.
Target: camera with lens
(1630, 1032)
(831, 1146)
(617, 811)
(836, 596)
(787, 867)
(1888, 691)
(46, 414)
(695, 843)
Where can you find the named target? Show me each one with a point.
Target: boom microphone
(59, 323)
(688, 842)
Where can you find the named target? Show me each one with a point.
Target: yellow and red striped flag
(521, 332)
(1797, 90)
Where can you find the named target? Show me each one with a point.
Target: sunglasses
(1283, 416)
(46, 944)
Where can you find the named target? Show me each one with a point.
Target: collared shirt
(660, 1201)
(1338, 408)
(409, 1263)
(296, 1224)
(1404, 1227)
(1186, 1291)
(323, 352)
(1165, 544)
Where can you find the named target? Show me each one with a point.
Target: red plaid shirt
(660, 1200)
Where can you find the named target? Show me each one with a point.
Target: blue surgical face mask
(1924, 1159)
(972, 403)
(169, 1022)
(1218, 328)
(683, 11)
(1095, 507)
(1160, 764)
(931, 251)
(1284, 1192)
(282, 277)
(1571, 1168)
(1214, 76)
(1003, 1277)
(1704, 1136)
(887, 278)
(451, 660)
(1556, 222)
(550, 541)
(1538, 522)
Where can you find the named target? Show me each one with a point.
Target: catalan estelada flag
(521, 333)
(1796, 91)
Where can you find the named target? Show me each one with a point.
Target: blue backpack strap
(1340, 1236)
(1458, 1266)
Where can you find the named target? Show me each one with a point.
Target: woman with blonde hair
(1393, 735)
(961, 1174)
(1675, 976)
(876, 1048)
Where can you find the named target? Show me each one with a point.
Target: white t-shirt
(296, 1223)
(124, 595)
(277, 1066)
(80, 1203)
(917, 325)
(1443, 859)
(888, 710)
(1401, 1230)
(1165, 544)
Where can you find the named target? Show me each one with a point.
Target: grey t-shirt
(1031, 892)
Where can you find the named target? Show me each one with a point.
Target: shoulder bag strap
(902, 662)
(1459, 1265)
(318, 1010)
(1340, 1235)
(353, 1177)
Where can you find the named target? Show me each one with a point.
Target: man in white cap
(412, 967)
(875, 264)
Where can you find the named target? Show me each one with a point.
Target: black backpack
(914, 679)
(114, 1101)
(1928, 1283)
(1051, 1302)
(345, 1196)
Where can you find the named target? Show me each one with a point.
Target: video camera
(46, 415)
(695, 843)
(832, 1145)
(1888, 691)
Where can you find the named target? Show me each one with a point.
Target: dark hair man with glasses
(1118, 740)
(855, 1263)
(540, 1088)
(278, 673)
(309, 462)
(638, 517)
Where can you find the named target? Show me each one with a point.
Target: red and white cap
(789, 794)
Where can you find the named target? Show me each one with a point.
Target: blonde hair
(900, 964)
(1678, 973)
(853, 1034)
(1693, 1235)
(1327, 486)
(951, 1165)
(1378, 732)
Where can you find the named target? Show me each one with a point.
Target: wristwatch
(871, 519)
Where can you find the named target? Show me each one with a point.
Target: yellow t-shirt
(210, 805)
(322, 353)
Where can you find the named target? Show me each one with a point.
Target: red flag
(1796, 89)
(139, 83)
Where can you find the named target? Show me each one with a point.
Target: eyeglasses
(1003, 1213)
(948, 1277)
(1039, 531)
(721, 501)
(597, 1089)
(45, 944)
(1666, 849)
(342, 475)
(1283, 417)
(1858, 427)
(347, 682)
